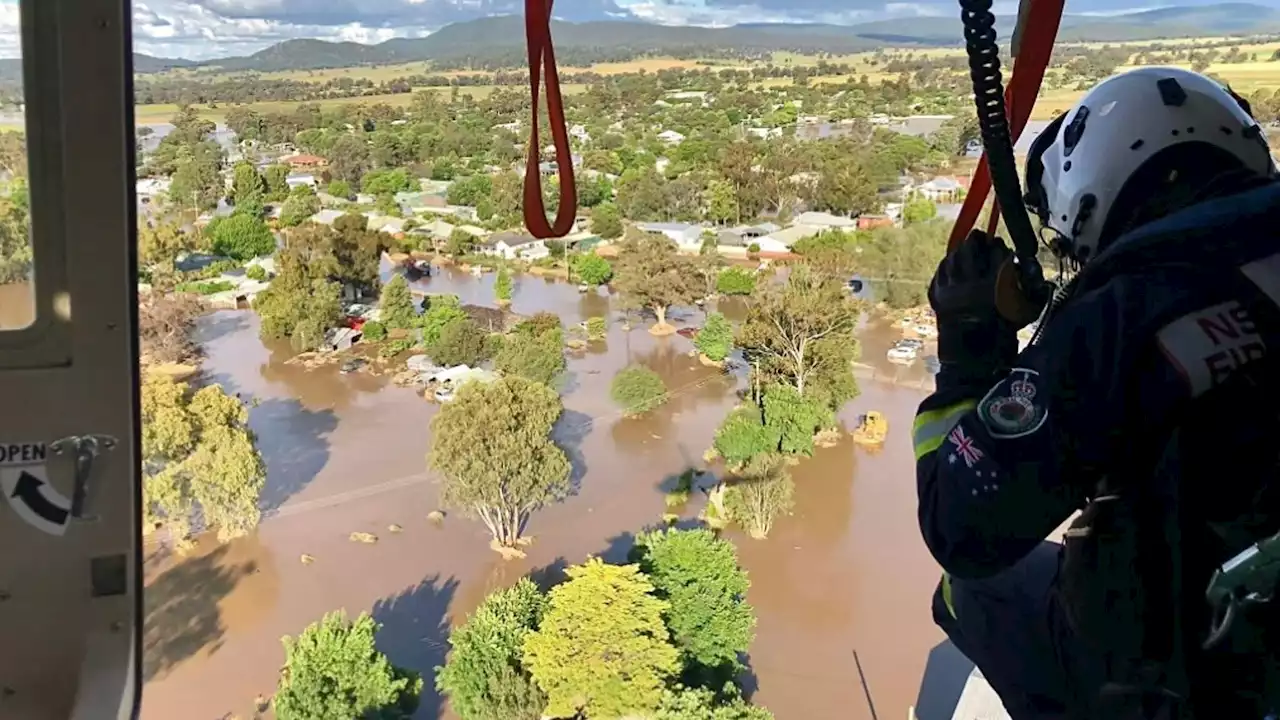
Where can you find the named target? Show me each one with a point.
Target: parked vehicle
(903, 354)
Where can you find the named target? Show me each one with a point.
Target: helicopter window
(17, 279)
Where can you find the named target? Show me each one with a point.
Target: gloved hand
(974, 342)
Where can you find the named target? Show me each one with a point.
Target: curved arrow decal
(26, 487)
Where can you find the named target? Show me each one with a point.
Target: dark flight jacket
(1168, 313)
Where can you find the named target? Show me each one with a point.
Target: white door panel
(69, 586)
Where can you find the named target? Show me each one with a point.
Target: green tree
(681, 703)
(256, 272)
(538, 324)
(502, 285)
(340, 189)
(387, 182)
(484, 677)
(396, 304)
(794, 419)
(373, 331)
(592, 269)
(492, 446)
(802, 333)
(535, 357)
(242, 237)
(602, 650)
(276, 179)
(349, 158)
(722, 204)
(637, 390)
(248, 190)
(759, 494)
(656, 276)
(460, 343)
(606, 221)
(845, 187)
(736, 281)
(197, 176)
(709, 618)
(15, 235)
(198, 451)
(332, 671)
(442, 311)
(469, 190)
(460, 243)
(715, 339)
(300, 206)
(918, 211)
(743, 435)
(160, 244)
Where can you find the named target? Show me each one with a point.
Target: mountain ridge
(501, 38)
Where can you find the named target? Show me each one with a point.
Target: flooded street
(847, 570)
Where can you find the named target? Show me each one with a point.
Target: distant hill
(147, 64)
(503, 37)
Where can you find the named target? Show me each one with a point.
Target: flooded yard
(345, 453)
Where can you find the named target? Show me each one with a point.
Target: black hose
(993, 121)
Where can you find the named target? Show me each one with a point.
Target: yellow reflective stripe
(946, 595)
(931, 426)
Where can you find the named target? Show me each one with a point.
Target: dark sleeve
(999, 468)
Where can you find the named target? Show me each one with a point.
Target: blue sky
(201, 29)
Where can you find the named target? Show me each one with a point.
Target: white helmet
(1080, 164)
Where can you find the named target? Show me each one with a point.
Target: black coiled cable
(993, 121)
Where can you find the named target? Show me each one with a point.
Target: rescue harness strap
(537, 26)
(1037, 31)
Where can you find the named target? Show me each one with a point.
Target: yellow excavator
(871, 430)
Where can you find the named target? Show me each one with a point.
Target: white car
(902, 354)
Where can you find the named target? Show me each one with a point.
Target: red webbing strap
(1038, 36)
(537, 25)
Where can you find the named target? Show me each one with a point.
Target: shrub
(333, 672)
(461, 343)
(762, 491)
(539, 358)
(596, 328)
(637, 389)
(715, 339)
(205, 288)
(743, 435)
(374, 331)
(736, 281)
(395, 347)
(593, 269)
(256, 272)
(753, 248)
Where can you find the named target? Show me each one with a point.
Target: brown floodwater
(846, 571)
(17, 306)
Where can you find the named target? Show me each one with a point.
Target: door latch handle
(86, 449)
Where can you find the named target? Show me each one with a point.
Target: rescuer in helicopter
(1147, 402)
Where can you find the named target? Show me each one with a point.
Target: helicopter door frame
(70, 584)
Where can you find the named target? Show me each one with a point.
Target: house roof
(327, 217)
(941, 184)
(666, 227)
(824, 219)
(511, 239)
(796, 233)
(304, 159)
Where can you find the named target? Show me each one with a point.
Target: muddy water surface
(346, 453)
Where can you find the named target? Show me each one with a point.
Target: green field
(144, 114)
(1244, 77)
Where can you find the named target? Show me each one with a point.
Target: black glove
(975, 343)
